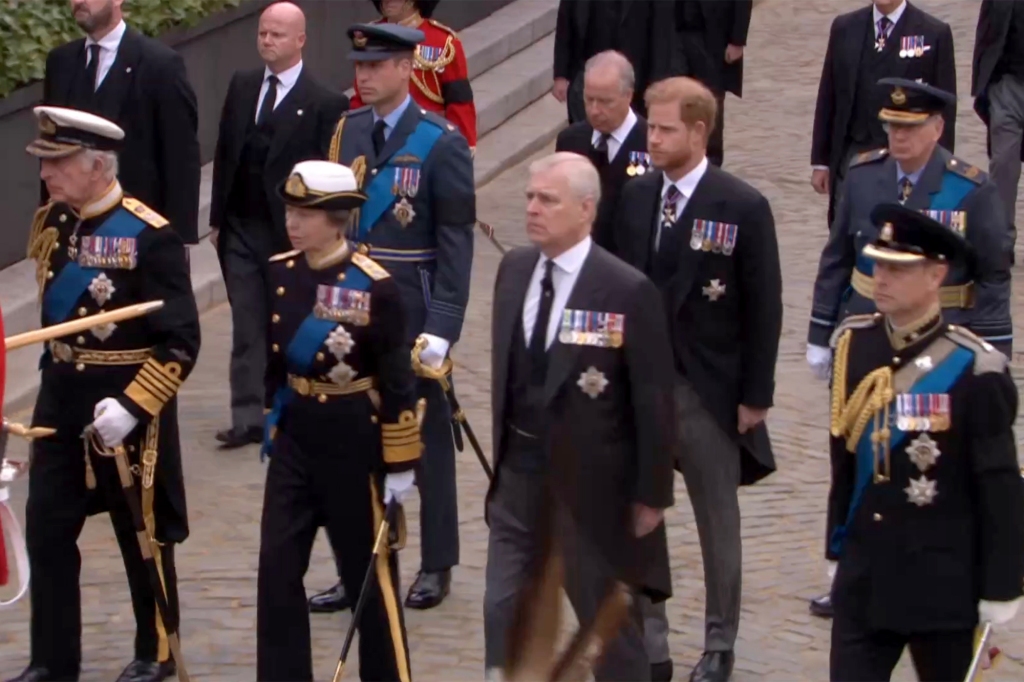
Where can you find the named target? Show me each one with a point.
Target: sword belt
(307, 388)
(954, 296)
(63, 352)
(403, 255)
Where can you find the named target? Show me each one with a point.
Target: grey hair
(339, 218)
(584, 181)
(613, 58)
(108, 162)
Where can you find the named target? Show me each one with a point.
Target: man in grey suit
(583, 408)
(418, 220)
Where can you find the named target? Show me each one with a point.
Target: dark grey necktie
(269, 100)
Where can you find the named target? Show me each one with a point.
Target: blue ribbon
(379, 193)
(939, 380)
(73, 280)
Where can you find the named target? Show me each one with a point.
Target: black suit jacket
(833, 112)
(727, 347)
(147, 93)
(648, 38)
(615, 449)
(577, 138)
(304, 121)
(726, 22)
(989, 43)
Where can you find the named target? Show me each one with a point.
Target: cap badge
(296, 187)
(886, 235)
(47, 126)
(358, 39)
(899, 98)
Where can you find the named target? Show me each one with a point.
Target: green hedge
(29, 29)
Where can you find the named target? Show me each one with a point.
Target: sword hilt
(439, 374)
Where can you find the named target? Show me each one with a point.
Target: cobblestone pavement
(768, 143)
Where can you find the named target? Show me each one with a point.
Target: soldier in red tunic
(441, 78)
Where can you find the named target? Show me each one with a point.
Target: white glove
(397, 486)
(820, 360)
(436, 351)
(112, 421)
(997, 612)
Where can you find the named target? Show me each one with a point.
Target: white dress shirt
(563, 277)
(109, 45)
(686, 186)
(617, 137)
(285, 82)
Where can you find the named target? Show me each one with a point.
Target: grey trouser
(1005, 129)
(511, 551)
(246, 249)
(710, 462)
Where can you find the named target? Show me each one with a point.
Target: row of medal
(591, 328)
(922, 412)
(954, 220)
(913, 46)
(106, 252)
(639, 163)
(405, 186)
(339, 304)
(713, 236)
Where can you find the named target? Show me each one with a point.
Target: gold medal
(631, 170)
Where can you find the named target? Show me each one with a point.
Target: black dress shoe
(822, 606)
(330, 601)
(429, 589)
(236, 437)
(661, 672)
(714, 666)
(36, 674)
(147, 671)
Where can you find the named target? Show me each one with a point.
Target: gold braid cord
(359, 171)
(41, 243)
(335, 150)
(433, 67)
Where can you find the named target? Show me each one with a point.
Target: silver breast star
(921, 491)
(340, 342)
(592, 382)
(342, 374)
(923, 452)
(101, 288)
(714, 290)
(103, 331)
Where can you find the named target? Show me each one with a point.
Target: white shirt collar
(112, 40)
(287, 77)
(894, 16)
(110, 198)
(571, 259)
(621, 133)
(688, 183)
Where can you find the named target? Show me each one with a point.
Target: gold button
(56, 245)
(322, 398)
(63, 217)
(896, 361)
(290, 264)
(280, 291)
(275, 348)
(80, 340)
(82, 311)
(877, 517)
(275, 318)
(341, 276)
(49, 275)
(80, 367)
(373, 418)
(320, 357)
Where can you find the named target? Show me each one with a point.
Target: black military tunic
(341, 394)
(116, 253)
(930, 520)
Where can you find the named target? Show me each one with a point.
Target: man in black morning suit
(273, 118)
(707, 239)
(582, 408)
(613, 137)
(141, 85)
(864, 46)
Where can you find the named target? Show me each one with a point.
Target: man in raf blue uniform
(417, 172)
(922, 175)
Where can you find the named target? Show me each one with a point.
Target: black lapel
(509, 308)
(855, 39)
(113, 91)
(406, 124)
(562, 356)
(288, 114)
(68, 74)
(647, 213)
(929, 183)
(703, 205)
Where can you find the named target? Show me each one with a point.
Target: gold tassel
(359, 171)
(335, 150)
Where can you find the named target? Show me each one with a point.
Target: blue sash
(302, 350)
(939, 380)
(73, 280)
(379, 193)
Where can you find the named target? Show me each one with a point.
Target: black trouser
(716, 142)
(860, 655)
(305, 490)
(58, 502)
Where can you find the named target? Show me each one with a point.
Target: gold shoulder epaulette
(369, 266)
(869, 156)
(38, 223)
(854, 322)
(965, 170)
(284, 256)
(448, 29)
(986, 357)
(144, 213)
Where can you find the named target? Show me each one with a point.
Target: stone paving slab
(783, 517)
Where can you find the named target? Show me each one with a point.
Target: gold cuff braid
(155, 385)
(401, 441)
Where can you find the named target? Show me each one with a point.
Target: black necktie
(378, 136)
(92, 66)
(601, 150)
(906, 187)
(538, 339)
(269, 100)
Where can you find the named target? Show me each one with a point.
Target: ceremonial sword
(489, 231)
